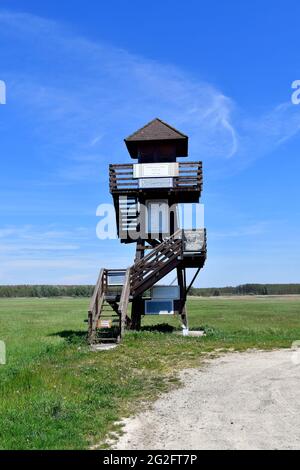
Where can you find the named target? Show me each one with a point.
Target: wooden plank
(98, 287)
(124, 300)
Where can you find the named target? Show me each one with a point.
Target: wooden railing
(102, 292)
(96, 304)
(141, 276)
(204, 248)
(124, 300)
(157, 264)
(190, 176)
(200, 241)
(121, 178)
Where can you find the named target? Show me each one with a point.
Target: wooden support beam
(123, 304)
(136, 309)
(184, 316)
(181, 276)
(192, 281)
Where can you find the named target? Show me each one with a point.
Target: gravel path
(239, 401)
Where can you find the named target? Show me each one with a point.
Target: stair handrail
(158, 248)
(170, 249)
(98, 289)
(95, 305)
(124, 300)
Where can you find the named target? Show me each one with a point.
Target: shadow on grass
(160, 328)
(72, 336)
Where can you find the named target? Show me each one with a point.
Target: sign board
(155, 183)
(193, 240)
(159, 307)
(2, 353)
(155, 170)
(104, 324)
(116, 278)
(165, 292)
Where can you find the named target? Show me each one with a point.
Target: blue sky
(79, 79)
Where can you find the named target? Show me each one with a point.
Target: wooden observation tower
(147, 196)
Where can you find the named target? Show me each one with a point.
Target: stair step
(111, 340)
(109, 317)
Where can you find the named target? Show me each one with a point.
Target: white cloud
(79, 99)
(258, 267)
(45, 254)
(257, 228)
(24, 240)
(99, 94)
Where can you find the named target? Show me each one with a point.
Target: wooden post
(181, 276)
(90, 327)
(184, 315)
(123, 304)
(136, 309)
(136, 314)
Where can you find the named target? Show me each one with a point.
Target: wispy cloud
(99, 94)
(29, 240)
(47, 254)
(75, 100)
(250, 230)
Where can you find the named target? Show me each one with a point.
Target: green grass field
(56, 394)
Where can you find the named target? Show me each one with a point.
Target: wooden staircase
(108, 306)
(157, 264)
(162, 259)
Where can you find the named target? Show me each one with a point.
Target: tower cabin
(148, 195)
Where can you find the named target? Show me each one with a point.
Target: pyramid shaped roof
(157, 131)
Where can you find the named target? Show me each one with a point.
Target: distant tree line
(87, 290)
(46, 291)
(247, 289)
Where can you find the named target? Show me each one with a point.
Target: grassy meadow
(57, 394)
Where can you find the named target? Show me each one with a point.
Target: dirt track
(238, 401)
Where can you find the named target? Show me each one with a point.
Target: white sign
(104, 324)
(165, 292)
(159, 307)
(155, 170)
(193, 240)
(155, 183)
(2, 353)
(116, 278)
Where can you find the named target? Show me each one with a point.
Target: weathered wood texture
(117, 299)
(157, 254)
(124, 301)
(121, 179)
